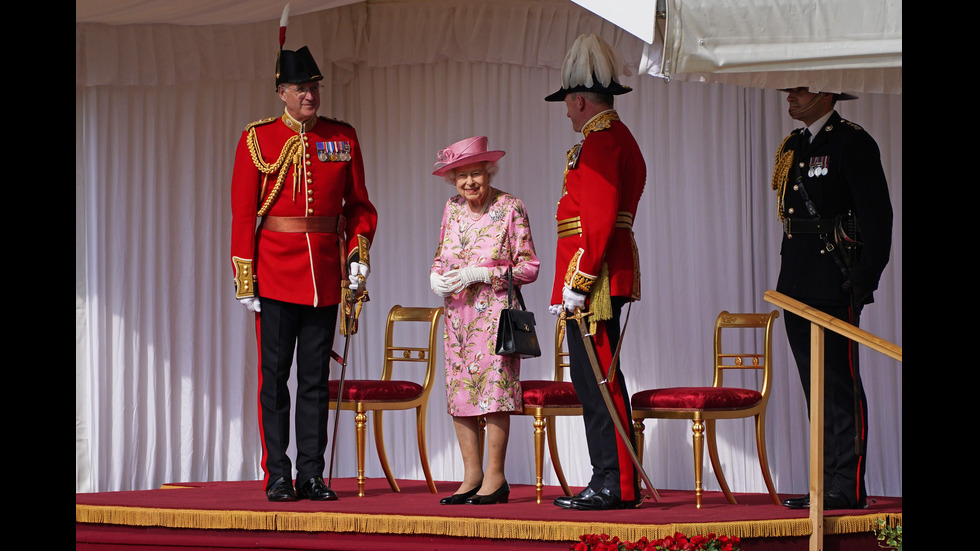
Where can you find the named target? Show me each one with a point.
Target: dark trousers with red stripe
(844, 469)
(612, 467)
(281, 328)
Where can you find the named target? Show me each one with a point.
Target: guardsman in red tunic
(597, 263)
(300, 216)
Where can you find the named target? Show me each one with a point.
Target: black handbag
(515, 332)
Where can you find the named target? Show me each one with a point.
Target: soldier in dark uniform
(597, 263)
(837, 218)
(302, 178)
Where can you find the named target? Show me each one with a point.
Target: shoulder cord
(291, 152)
(780, 174)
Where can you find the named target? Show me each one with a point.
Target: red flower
(677, 542)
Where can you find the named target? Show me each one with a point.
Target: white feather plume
(282, 26)
(589, 55)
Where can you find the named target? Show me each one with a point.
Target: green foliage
(889, 537)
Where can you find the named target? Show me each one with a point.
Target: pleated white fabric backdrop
(165, 356)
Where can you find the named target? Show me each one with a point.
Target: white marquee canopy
(166, 377)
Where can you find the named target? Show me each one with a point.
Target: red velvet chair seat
(705, 406)
(375, 390)
(696, 398)
(549, 394)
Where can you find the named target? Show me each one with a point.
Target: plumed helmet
(294, 67)
(591, 65)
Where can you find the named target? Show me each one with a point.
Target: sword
(856, 374)
(350, 327)
(603, 383)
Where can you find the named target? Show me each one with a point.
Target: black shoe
(603, 500)
(802, 502)
(316, 489)
(500, 496)
(281, 490)
(460, 499)
(565, 502)
(832, 499)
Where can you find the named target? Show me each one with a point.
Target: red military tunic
(322, 175)
(604, 179)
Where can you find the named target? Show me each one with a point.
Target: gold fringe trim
(457, 526)
(600, 301)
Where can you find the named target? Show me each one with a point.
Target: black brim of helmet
(614, 89)
(841, 96)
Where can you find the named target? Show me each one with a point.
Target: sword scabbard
(603, 381)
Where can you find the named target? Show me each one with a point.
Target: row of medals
(818, 166)
(333, 151)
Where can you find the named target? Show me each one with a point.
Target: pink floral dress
(477, 380)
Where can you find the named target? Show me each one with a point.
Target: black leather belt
(802, 225)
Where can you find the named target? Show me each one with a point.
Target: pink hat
(465, 152)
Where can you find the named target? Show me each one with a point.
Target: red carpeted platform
(236, 515)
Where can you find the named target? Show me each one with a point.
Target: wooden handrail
(836, 325)
(819, 321)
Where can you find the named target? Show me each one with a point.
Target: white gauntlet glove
(464, 277)
(252, 304)
(571, 300)
(358, 276)
(440, 284)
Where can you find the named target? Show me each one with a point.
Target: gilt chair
(387, 393)
(544, 400)
(705, 405)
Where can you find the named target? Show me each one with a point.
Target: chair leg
(539, 425)
(716, 461)
(360, 428)
(760, 440)
(638, 438)
(555, 460)
(423, 454)
(379, 443)
(698, 460)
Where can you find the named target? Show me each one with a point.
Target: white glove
(571, 300)
(358, 276)
(440, 284)
(252, 304)
(464, 277)
(555, 309)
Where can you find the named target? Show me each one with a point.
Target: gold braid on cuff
(244, 278)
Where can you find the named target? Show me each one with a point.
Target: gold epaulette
(602, 121)
(853, 125)
(260, 122)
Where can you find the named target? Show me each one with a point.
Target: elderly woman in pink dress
(484, 232)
